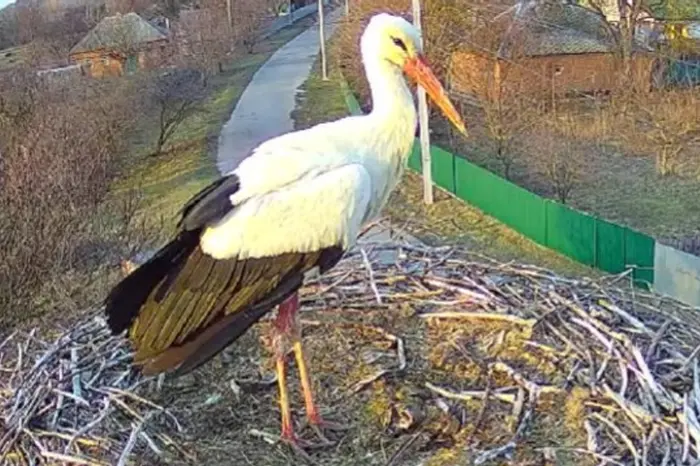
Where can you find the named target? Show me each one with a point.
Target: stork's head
(394, 40)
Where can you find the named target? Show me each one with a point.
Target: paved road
(283, 21)
(264, 109)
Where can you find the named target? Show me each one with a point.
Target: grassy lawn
(614, 184)
(12, 56)
(167, 181)
(449, 219)
(626, 190)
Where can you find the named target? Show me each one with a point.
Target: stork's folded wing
(200, 296)
(305, 216)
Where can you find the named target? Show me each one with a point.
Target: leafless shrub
(557, 155)
(669, 123)
(177, 95)
(508, 114)
(250, 18)
(59, 151)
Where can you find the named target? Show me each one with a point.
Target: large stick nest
(74, 399)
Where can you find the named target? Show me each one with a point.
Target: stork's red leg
(283, 325)
(312, 413)
(287, 429)
(287, 331)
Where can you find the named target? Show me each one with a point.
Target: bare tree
(178, 95)
(9, 33)
(30, 21)
(487, 72)
(204, 38)
(623, 18)
(125, 6)
(557, 155)
(250, 19)
(57, 34)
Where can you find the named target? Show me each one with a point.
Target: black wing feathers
(123, 303)
(182, 307)
(192, 325)
(210, 204)
(234, 325)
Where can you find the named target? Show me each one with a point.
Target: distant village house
(122, 44)
(543, 49)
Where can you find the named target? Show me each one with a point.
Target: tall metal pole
(423, 122)
(347, 7)
(322, 38)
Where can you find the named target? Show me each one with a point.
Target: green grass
(615, 184)
(448, 220)
(626, 190)
(165, 182)
(319, 100)
(12, 56)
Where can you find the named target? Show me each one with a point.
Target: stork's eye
(399, 43)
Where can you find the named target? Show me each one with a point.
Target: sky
(4, 3)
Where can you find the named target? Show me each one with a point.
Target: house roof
(115, 32)
(536, 28)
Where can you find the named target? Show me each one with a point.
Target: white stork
(293, 207)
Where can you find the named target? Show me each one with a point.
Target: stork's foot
(301, 447)
(321, 427)
(297, 445)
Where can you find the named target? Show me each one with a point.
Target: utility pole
(230, 18)
(322, 37)
(423, 122)
(347, 7)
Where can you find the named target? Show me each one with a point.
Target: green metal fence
(582, 237)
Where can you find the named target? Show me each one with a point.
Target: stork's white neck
(393, 118)
(390, 93)
(389, 128)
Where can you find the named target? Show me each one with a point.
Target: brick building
(122, 44)
(542, 48)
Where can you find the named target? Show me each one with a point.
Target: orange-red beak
(418, 70)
